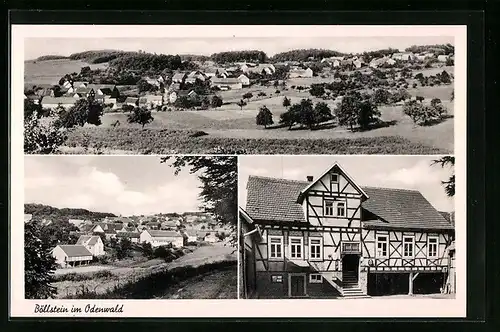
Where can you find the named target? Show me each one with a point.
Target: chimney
(310, 178)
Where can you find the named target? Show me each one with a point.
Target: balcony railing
(351, 247)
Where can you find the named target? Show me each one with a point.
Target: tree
(449, 185)
(322, 112)
(264, 117)
(347, 111)
(422, 114)
(368, 113)
(123, 248)
(420, 98)
(127, 108)
(317, 90)
(381, 96)
(247, 95)
(444, 77)
(286, 102)
(291, 116)
(42, 137)
(144, 86)
(84, 111)
(30, 107)
(216, 101)
(241, 103)
(306, 113)
(140, 115)
(400, 95)
(39, 265)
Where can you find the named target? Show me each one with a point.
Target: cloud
(418, 175)
(83, 185)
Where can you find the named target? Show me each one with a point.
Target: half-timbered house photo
(331, 234)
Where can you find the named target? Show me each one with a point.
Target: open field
(51, 71)
(118, 276)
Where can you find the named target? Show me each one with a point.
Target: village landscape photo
(338, 227)
(261, 95)
(126, 227)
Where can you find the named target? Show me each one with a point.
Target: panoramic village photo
(347, 227)
(222, 95)
(128, 227)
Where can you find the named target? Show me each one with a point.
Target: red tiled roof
(275, 200)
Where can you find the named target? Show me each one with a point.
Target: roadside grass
(164, 141)
(148, 286)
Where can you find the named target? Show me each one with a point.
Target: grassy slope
(51, 71)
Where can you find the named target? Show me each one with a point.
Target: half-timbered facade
(329, 237)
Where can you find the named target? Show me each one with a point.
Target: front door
(297, 285)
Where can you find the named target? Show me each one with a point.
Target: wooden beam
(415, 276)
(410, 284)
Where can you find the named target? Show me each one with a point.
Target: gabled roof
(131, 100)
(271, 200)
(179, 76)
(221, 80)
(155, 233)
(335, 165)
(128, 234)
(87, 239)
(402, 208)
(59, 100)
(75, 250)
(245, 216)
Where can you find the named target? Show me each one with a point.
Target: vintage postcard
(238, 171)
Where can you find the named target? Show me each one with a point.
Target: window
(295, 244)
(277, 279)
(340, 209)
(350, 247)
(328, 210)
(275, 247)
(315, 248)
(408, 242)
(335, 178)
(432, 246)
(382, 244)
(315, 278)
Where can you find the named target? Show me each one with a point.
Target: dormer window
(335, 178)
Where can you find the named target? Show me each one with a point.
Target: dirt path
(220, 284)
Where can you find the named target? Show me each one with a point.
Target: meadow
(51, 71)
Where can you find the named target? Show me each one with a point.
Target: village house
(443, 58)
(263, 68)
(329, 237)
(161, 238)
(76, 222)
(71, 255)
(245, 81)
(174, 95)
(169, 224)
(45, 92)
(194, 75)
(104, 89)
(191, 236)
(211, 238)
(154, 81)
(298, 72)
(358, 63)
(54, 102)
(132, 101)
(154, 225)
(151, 101)
(134, 237)
(79, 84)
(250, 236)
(93, 243)
(226, 83)
(27, 217)
(403, 56)
(179, 78)
(66, 85)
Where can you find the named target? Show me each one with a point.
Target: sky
(404, 172)
(35, 47)
(123, 185)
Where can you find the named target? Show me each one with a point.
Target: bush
(198, 134)
(42, 136)
(422, 114)
(216, 101)
(264, 117)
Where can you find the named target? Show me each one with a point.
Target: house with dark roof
(132, 236)
(70, 255)
(331, 237)
(93, 243)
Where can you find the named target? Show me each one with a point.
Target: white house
(151, 101)
(161, 238)
(443, 58)
(93, 243)
(134, 237)
(76, 222)
(244, 80)
(295, 73)
(54, 102)
(226, 83)
(28, 217)
(211, 238)
(192, 236)
(70, 255)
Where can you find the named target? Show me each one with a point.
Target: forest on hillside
(302, 55)
(46, 211)
(50, 57)
(438, 49)
(237, 56)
